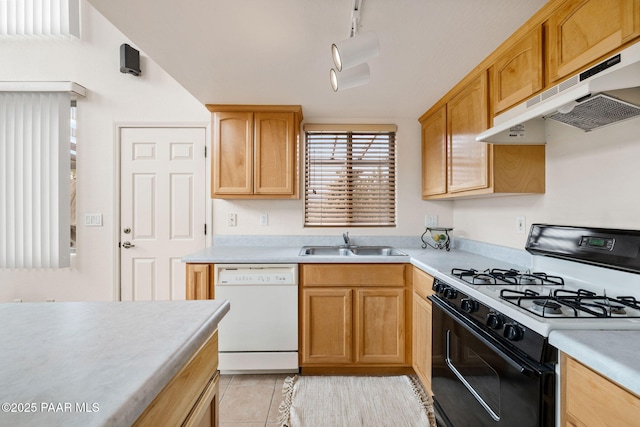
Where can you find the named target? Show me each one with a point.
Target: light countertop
(95, 363)
(614, 354)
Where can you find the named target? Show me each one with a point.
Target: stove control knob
(494, 321)
(439, 287)
(469, 305)
(513, 332)
(450, 293)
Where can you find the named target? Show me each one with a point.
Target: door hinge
(205, 229)
(205, 151)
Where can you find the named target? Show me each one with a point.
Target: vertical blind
(25, 18)
(350, 176)
(34, 179)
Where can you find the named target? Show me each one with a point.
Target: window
(350, 176)
(42, 18)
(35, 134)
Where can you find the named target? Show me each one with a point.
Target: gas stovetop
(545, 295)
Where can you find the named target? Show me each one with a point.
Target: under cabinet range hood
(606, 93)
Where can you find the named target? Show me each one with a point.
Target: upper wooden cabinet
(467, 115)
(583, 31)
(517, 73)
(455, 165)
(255, 151)
(434, 153)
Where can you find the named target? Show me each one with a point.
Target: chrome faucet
(345, 237)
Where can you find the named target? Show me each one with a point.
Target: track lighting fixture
(355, 76)
(350, 56)
(355, 50)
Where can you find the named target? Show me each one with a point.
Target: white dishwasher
(260, 332)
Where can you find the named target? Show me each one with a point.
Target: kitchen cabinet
(191, 397)
(353, 315)
(467, 116)
(434, 154)
(589, 399)
(422, 326)
(517, 74)
(200, 281)
(581, 32)
(474, 169)
(255, 151)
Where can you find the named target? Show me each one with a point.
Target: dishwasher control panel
(252, 274)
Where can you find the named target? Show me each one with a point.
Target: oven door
(476, 381)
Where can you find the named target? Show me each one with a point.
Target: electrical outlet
(232, 220)
(264, 219)
(520, 225)
(431, 220)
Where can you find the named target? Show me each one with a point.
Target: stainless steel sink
(351, 251)
(377, 251)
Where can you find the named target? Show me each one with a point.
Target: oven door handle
(504, 353)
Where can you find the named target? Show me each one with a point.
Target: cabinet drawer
(352, 274)
(422, 282)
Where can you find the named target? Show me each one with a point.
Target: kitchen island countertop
(95, 363)
(613, 354)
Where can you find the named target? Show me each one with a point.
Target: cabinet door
(200, 281)
(466, 117)
(422, 339)
(517, 73)
(583, 31)
(434, 153)
(275, 153)
(589, 399)
(380, 329)
(232, 168)
(327, 324)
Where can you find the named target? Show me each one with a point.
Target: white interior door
(162, 209)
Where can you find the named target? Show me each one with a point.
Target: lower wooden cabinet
(589, 399)
(327, 326)
(422, 326)
(200, 281)
(353, 315)
(191, 397)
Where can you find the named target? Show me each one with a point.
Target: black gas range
(491, 325)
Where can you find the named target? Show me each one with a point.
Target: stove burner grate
(500, 276)
(570, 303)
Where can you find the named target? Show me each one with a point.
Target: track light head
(355, 50)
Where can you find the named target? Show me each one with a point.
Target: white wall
(113, 98)
(592, 179)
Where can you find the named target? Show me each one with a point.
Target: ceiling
(278, 51)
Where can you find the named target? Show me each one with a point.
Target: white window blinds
(34, 179)
(49, 18)
(350, 176)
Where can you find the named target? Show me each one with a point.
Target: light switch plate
(93, 220)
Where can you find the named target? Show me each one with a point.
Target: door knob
(127, 245)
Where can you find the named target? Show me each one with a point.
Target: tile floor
(250, 400)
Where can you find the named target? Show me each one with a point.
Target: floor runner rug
(352, 401)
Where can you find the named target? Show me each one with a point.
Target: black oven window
(478, 375)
